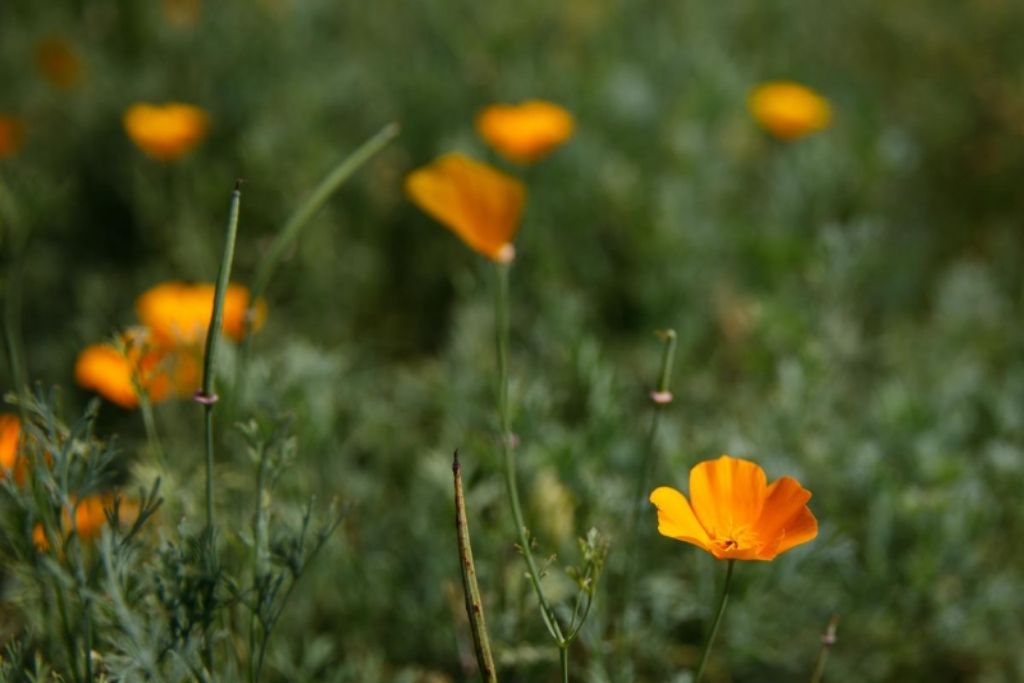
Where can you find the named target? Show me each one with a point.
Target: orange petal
(727, 493)
(105, 370)
(676, 519)
(789, 110)
(166, 132)
(525, 132)
(786, 521)
(475, 201)
(179, 313)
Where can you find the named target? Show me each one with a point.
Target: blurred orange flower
(789, 110)
(475, 201)
(11, 133)
(166, 132)
(90, 518)
(182, 13)
(179, 313)
(11, 460)
(58, 62)
(735, 514)
(525, 132)
(118, 372)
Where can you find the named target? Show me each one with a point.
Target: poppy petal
(727, 493)
(786, 521)
(676, 519)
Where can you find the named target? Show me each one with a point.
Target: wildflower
(179, 313)
(58, 63)
(119, 372)
(166, 132)
(789, 110)
(525, 132)
(475, 201)
(91, 515)
(182, 13)
(735, 514)
(11, 133)
(12, 462)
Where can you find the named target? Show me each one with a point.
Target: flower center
(739, 537)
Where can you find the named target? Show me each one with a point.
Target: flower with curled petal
(734, 514)
(527, 132)
(478, 203)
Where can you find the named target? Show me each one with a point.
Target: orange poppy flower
(179, 313)
(166, 132)
(117, 372)
(90, 518)
(477, 202)
(11, 133)
(11, 460)
(789, 110)
(58, 63)
(734, 514)
(524, 133)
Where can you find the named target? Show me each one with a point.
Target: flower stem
(502, 332)
(297, 221)
(660, 397)
(471, 590)
(207, 396)
(563, 658)
(723, 600)
(828, 639)
(149, 422)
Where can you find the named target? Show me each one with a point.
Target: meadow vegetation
(787, 232)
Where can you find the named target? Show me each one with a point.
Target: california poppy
(166, 132)
(525, 132)
(789, 110)
(90, 517)
(178, 313)
(136, 363)
(477, 202)
(58, 62)
(733, 512)
(11, 460)
(10, 135)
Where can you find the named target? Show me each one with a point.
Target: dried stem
(471, 590)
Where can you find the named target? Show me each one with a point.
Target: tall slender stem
(470, 588)
(722, 601)
(661, 396)
(563, 658)
(206, 394)
(297, 221)
(828, 639)
(149, 422)
(502, 333)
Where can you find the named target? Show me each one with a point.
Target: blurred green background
(849, 307)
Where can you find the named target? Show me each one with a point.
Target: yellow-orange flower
(789, 110)
(179, 313)
(10, 136)
(525, 132)
(11, 459)
(166, 132)
(90, 518)
(734, 514)
(477, 202)
(117, 372)
(58, 62)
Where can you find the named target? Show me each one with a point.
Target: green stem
(470, 587)
(12, 332)
(563, 658)
(298, 220)
(207, 396)
(502, 333)
(660, 397)
(259, 544)
(828, 639)
(722, 601)
(149, 422)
